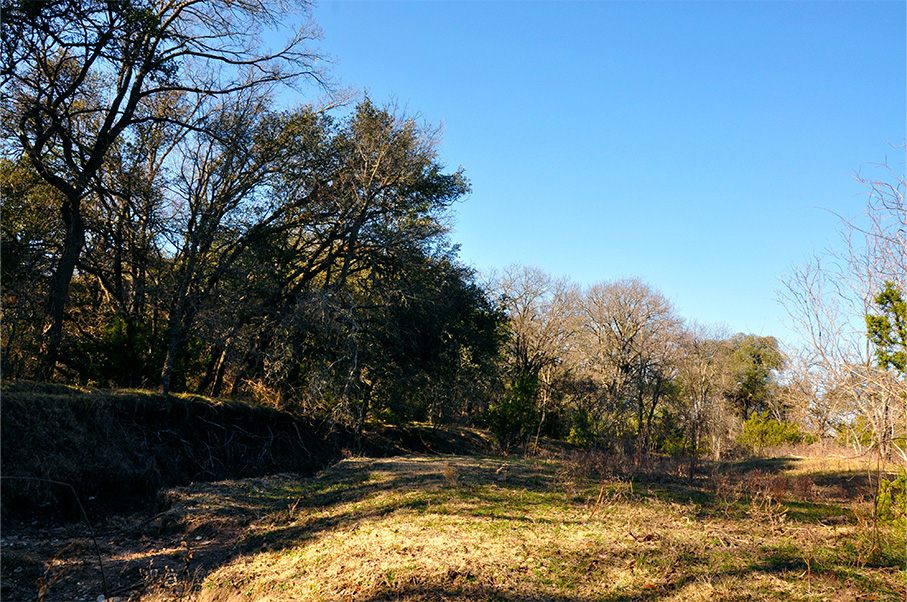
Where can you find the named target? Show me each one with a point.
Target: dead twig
(601, 493)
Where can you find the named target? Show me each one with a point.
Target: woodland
(170, 226)
(166, 226)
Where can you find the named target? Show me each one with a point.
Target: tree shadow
(484, 484)
(453, 589)
(206, 525)
(209, 525)
(766, 465)
(848, 484)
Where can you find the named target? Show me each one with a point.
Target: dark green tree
(887, 330)
(358, 279)
(754, 362)
(29, 238)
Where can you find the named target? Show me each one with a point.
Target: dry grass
(422, 528)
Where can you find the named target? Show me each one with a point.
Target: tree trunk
(544, 404)
(174, 328)
(363, 414)
(73, 243)
(172, 344)
(217, 357)
(219, 377)
(640, 429)
(175, 324)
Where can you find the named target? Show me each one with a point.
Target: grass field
(462, 528)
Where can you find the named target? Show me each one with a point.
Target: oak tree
(76, 76)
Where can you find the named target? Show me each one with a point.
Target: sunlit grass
(419, 528)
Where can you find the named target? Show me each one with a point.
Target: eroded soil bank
(65, 449)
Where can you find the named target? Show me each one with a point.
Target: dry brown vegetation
(468, 528)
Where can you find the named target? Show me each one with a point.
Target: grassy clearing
(428, 528)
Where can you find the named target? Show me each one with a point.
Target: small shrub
(514, 418)
(856, 434)
(585, 431)
(762, 431)
(891, 503)
(451, 474)
(674, 445)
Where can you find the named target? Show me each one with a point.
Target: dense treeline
(297, 259)
(166, 225)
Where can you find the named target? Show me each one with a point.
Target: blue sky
(699, 146)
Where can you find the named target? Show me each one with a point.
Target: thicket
(328, 287)
(762, 431)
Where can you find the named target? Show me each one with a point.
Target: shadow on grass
(848, 484)
(493, 594)
(779, 563)
(767, 465)
(786, 479)
(424, 483)
(234, 518)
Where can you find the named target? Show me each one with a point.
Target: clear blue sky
(694, 145)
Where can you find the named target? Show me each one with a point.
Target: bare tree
(814, 402)
(629, 334)
(704, 378)
(541, 310)
(829, 298)
(542, 316)
(215, 206)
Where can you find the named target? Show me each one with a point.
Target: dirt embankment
(116, 449)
